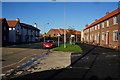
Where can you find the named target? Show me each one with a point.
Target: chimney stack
(86, 25)
(107, 13)
(18, 19)
(95, 20)
(35, 25)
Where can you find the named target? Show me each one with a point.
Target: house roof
(41, 34)
(61, 31)
(2, 18)
(117, 11)
(29, 26)
(77, 33)
(3, 22)
(12, 23)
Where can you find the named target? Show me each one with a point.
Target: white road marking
(17, 62)
(13, 63)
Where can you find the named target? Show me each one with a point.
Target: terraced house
(104, 31)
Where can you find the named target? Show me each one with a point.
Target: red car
(49, 44)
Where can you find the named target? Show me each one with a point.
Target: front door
(107, 38)
(98, 38)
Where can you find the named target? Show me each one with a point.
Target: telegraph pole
(64, 25)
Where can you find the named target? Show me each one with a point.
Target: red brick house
(55, 32)
(5, 31)
(105, 31)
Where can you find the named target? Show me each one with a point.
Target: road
(95, 63)
(16, 55)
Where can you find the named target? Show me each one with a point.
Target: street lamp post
(64, 25)
(45, 32)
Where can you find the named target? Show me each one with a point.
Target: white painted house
(30, 33)
(21, 32)
(15, 31)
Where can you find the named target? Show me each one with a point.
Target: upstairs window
(103, 25)
(95, 27)
(13, 28)
(92, 28)
(98, 26)
(10, 28)
(107, 23)
(115, 20)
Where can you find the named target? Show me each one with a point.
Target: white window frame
(115, 20)
(103, 36)
(103, 25)
(93, 28)
(108, 23)
(114, 36)
(10, 29)
(98, 26)
(13, 28)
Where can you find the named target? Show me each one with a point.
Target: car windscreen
(49, 41)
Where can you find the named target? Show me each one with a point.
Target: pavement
(94, 63)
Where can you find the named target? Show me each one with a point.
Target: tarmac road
(16, 55)
(95, 63)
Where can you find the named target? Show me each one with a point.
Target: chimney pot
(95, 19)
(107, 13)
(35, 25)
(17, 19)
(86, 25)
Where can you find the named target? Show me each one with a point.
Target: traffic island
(69, 48)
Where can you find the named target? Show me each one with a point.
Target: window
(107, 23)
(90, 37)
(13, 28)
(115, 35)
(103, 36)
(10, 28)
(115, 20)
(102, 24)
(95, 37)
(87, 37)
(95, 27)
(98, 26)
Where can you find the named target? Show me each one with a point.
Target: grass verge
(69, 47)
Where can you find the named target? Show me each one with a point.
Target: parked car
(49, 44)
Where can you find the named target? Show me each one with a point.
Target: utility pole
(45, 32)
(64, 25)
